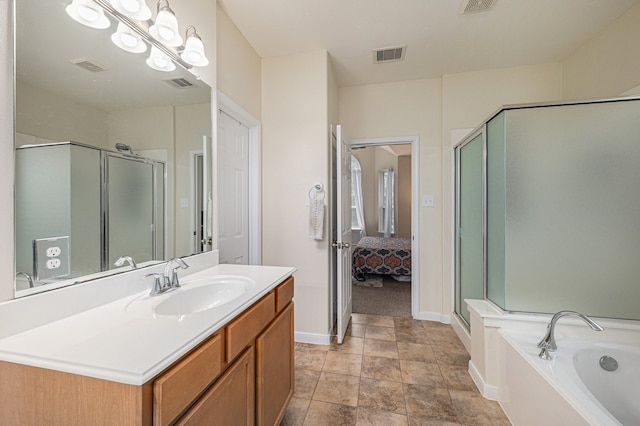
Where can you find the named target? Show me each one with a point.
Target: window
(356, 172)
(385, 202)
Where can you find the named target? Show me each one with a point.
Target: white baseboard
(488, 391)
(433, 316)
(314, 339)
(463, 333)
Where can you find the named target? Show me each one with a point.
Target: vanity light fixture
(165, 29)
(135, 29)
(128, 40)
(193, 52)
(87, 12)
(134, 9)
(158, 60)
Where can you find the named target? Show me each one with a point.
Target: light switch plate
(51, 258)
(428, 201)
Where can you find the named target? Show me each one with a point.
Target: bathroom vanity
(168, 359)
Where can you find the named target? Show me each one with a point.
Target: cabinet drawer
(284, 294)
(176, 389)
(246, 327)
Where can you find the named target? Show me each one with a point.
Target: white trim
(415, 218)
(314, 339)
(193, 154)
(490, 392)
(461, 330)
(234, 110)
(433, 316)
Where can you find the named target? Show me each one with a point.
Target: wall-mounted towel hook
(316, 189)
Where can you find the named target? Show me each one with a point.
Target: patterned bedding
(385, 256)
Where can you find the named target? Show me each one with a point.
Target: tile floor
(389, 371)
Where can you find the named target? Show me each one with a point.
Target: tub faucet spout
(548, 342)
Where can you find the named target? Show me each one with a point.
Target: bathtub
(574, 380)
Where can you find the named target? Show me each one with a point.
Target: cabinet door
(274, 369)
(231, 400)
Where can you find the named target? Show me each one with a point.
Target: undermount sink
(204, 294)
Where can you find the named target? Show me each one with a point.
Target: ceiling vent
(88, 65)
(180, 83)
(471, 6)
(389, 54)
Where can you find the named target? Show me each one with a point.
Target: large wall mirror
(111, 155)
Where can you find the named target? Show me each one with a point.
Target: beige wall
(295, 135)
(410, 108)
(239, 67)
(609, 64)
(46, 115)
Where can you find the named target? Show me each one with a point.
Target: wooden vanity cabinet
(274, 369)
(231, 400)
(241, 375)
(255, 356)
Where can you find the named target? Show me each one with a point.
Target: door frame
(414, 141)
(229, 107)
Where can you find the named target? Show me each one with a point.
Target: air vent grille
(88, 65)
(180, 83)
(471, 6)
(389, 54)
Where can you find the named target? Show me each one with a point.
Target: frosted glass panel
(572, 203)
(43, 193)
(130, 197)
(85, 211)
(470, 225)
(496, 209)
(159, 210)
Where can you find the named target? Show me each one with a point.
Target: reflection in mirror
(109, 153)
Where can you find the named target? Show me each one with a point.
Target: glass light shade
(193, 52)
(159, 61)
(128, 40)
(165, 28)
(87, 12)
(134, 9)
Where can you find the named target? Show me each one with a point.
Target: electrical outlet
(51, 259)
(53, 263)
(53, 251)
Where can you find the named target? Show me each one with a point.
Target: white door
(233, 190)
(343, 242)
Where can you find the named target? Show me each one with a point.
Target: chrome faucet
(128, 259)
(27, 276)
(169, 280)
(548, 342)
(171, 272)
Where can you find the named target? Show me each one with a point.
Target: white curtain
(356, 182)
(388, 207)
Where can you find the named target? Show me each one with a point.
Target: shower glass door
(469, 225)
(130, 215)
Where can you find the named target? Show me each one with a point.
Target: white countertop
(117, 343)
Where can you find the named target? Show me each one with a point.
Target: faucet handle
(158, 283)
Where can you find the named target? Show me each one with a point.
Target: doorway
(382, 218)
(413, 143)
(238, 183)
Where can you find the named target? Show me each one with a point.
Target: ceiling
(439, 39)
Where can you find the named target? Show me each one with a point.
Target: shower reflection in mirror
(108, 204)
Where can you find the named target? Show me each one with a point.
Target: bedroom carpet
(392, 299)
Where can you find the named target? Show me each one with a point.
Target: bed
(383, 256)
